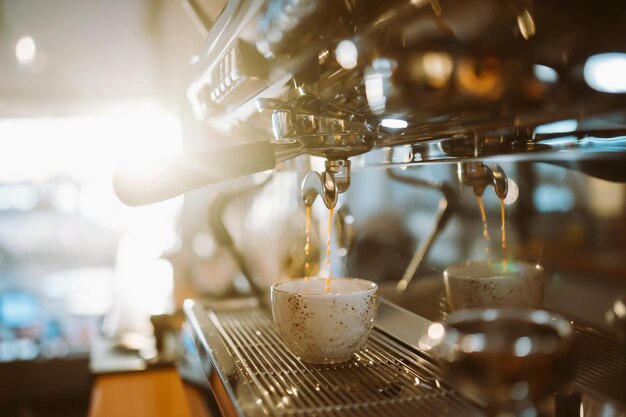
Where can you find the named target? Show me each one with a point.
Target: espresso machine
(399, 116)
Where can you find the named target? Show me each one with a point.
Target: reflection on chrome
(347, 54)
(605, 72)
(394, 123)
(545, 74)
(25, 50)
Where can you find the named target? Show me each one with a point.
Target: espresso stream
(330, 223)
(307, 245)
(483, 216)
(505, 255)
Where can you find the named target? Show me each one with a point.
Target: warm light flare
(436, 331)
(86, 150)
(437, 67)
(70, 161)
(347, 54)
(85, 147)
(25, 50)
(605, 72)
(394, 123)
(512, 193)
(545, 74)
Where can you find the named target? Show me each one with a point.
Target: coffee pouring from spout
(479, 175)
(334, 180)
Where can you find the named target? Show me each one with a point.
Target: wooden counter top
(154, 393)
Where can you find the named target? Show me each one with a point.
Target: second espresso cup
(320, 326)
(485, 284)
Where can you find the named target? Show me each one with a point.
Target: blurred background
(83, 86)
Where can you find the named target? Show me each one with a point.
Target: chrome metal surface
(315, 184)
(334, 180)
(385, 377)
(616, 317)
(478, 176)
(401, 323)
(340, 168)
(320, 126)
(601, 361)
(284, 152)
(252, 373)
(222, 36)
(424, 64)
(426, 149)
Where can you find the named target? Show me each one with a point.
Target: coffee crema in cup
(485, 284)
(321, 326)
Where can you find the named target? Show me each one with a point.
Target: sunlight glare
(25, 50)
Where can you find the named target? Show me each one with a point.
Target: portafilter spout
(334, 180)
(478, 176)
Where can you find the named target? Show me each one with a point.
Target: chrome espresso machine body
(409, 112)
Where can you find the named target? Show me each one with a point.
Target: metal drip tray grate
(253, 373)
(385, 378)
(600, 364)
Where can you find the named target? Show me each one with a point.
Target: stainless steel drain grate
(252, 373)
(601, 364)
(385, 378)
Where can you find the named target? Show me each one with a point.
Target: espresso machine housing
(473, 93)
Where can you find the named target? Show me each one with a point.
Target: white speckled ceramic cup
(485, 285)
(324, 327)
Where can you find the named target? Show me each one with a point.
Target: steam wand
(445, 208)
(223, 236)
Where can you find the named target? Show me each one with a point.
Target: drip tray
(600, 364)
(253, 373)
(384, 375)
